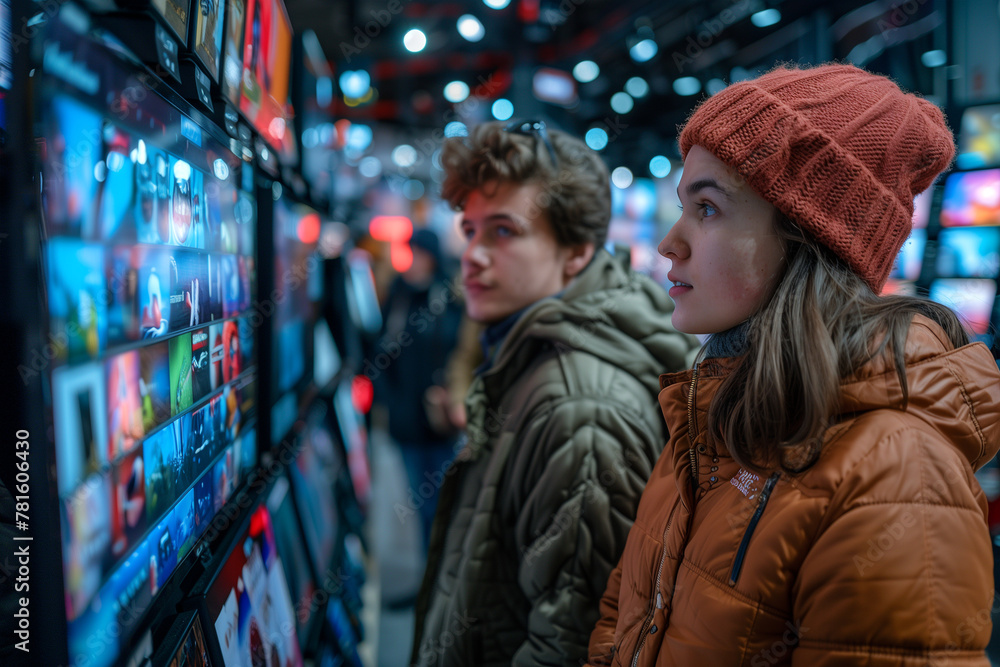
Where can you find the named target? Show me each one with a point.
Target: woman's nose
(673, 246)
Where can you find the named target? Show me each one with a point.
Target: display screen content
(298, 571)
(296, 234)
(149, 264)
(208, 34)
(249, 604)
(971, 298)
(969, 253)
(175, 14)
(979, 137)
(264, 91)
(232, 61)
(971, 198)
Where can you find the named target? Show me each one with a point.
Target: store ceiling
(701, 38)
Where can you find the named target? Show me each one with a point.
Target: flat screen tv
(147, 248)
(264, 87)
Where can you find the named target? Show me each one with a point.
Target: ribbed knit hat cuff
(806, 174)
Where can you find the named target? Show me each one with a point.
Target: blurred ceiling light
(554, 86)
(586, 71)
(596, 138)
(502, 109)
(370, 166)
(355, 83)
(714, 86)
(415, 40)
(359, 137)
(659, 166)
(471, 28)
(622, 102)
(934, 58)
(637, 87)
(687, 85)
(404, 156)
(456, 91)
(496, 4)
(621, 177)
(413, 189)
(456, 129)
(643, 50)
(765, 18)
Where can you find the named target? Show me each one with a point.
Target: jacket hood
(956, 391)
(609, 311)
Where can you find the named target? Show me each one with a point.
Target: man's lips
(475, 286)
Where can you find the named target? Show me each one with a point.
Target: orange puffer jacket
(878, 555)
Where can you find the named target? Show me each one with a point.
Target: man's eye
(504, 231)
(707, 209)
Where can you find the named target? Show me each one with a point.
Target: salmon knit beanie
(840, 151)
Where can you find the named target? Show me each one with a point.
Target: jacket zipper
(656, 587)
(663, 558)
(692, 454)
(745, 542)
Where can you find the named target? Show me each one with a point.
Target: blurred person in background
(420, 322)
(561, 433)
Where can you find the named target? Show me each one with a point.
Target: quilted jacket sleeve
(602, 640)
(590, 458)
(901, 570)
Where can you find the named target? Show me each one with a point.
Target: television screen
(313, 118)
(132, 258)
(922, 208)
(979, 137)
(175, 15)
(314, 474)
(232, 61)
(971, 298)
(264, 91)
(208, 35)
(971, 198)
(184, 644)
(249, 607)
(291, 547)
(911, 256)
(355, 438)
(6, 53)
(969, 252)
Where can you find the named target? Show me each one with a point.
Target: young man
(562, 429)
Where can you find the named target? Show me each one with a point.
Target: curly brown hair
(575, 194)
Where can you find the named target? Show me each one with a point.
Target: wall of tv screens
(953, 253)
(150, 214)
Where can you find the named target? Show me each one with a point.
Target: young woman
(816, 503)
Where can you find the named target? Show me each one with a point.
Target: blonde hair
(820, 326)
(575, 194)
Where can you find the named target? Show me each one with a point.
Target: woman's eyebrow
(705, 183)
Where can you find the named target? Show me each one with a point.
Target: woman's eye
(504, 232)
(707, 209)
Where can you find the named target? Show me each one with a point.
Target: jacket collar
(956, 391)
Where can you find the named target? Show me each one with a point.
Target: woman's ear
(578, 259)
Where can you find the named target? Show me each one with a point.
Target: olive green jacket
(563, 431)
